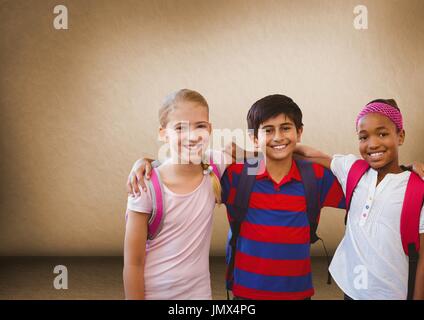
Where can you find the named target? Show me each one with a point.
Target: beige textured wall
(79, 106)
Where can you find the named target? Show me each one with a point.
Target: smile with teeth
(279, 147)
(375, 154)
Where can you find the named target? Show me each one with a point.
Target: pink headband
(385, 109)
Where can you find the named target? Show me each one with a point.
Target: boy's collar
(293, 174)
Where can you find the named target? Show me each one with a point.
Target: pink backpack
(410, 216)
(156, 190)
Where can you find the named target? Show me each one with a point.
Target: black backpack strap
(241, 205)
(412, 271)
(313, 210)
(310, 185)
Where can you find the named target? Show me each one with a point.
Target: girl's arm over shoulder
(134, 254)
(419, 280)
(313, 155)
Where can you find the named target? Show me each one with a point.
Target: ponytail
(216, 184)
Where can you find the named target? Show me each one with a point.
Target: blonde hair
(216, 183)
(170, 104)
(172, 100)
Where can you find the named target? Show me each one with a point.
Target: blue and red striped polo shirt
(273, 250)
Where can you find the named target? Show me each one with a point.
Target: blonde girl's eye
(180, 127)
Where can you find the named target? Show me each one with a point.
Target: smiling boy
(272, 256)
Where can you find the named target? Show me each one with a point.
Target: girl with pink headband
(388, 109)
(370, 262)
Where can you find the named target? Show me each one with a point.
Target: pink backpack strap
(156, 191)
(410, 226)
(355, 174)
(411, 211)
(214, 166)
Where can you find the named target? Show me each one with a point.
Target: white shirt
(370, 263)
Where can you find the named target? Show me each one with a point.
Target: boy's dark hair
(390, 102)
(270, 107)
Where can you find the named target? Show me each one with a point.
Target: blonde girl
(175, 264)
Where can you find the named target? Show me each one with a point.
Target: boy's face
(379, 140)
(277, 137)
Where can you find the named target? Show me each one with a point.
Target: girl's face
(187, 132)
(379, 140)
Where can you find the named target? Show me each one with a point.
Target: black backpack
(241, 204)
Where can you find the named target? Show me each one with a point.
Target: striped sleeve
(331, 192)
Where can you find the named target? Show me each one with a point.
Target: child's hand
(418, 168)
(234, 152)
(136, 177)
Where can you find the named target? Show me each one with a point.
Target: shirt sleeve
(331, 193)
(142, 203)
(340, 166)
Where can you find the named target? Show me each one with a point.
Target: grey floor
(101, 278)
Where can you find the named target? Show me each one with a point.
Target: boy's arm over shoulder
(305, 152)
(340, 166)
(140, 203)
(231, 154)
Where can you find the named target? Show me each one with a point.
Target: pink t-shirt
(177, 260)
